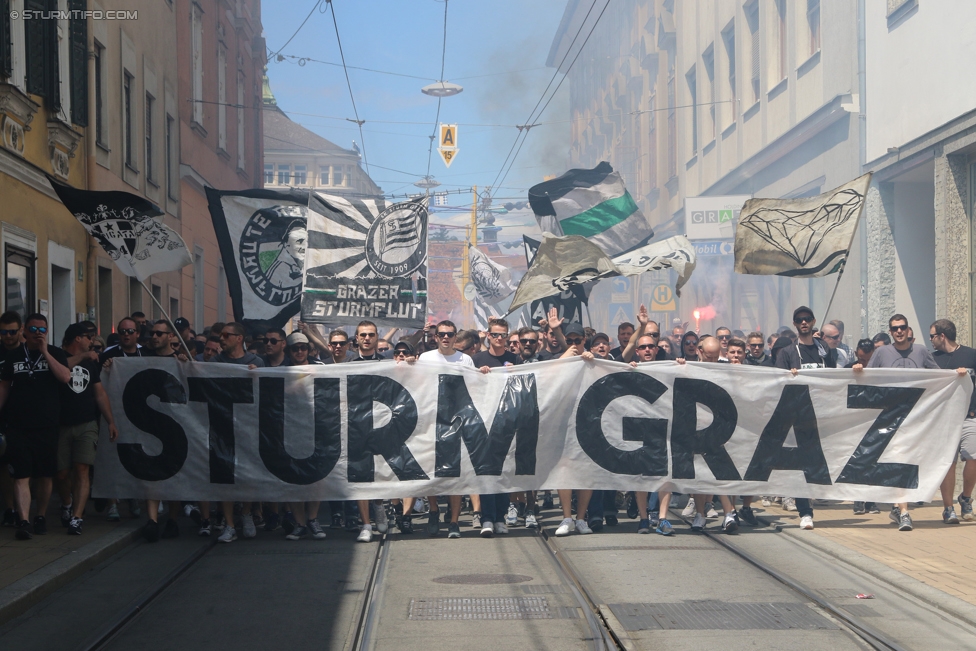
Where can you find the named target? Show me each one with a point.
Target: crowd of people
(52, 402)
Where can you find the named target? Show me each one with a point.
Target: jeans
(803, 506)
(602, 503)
(494, 507)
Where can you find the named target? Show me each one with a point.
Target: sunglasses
(804, 319)
(366, 335)
(574, 342)
(163, 333)
(755, 345)
(526, 342)
(338, 344)
(495, 335)
(656, 335)
(448, 335)
(300, 348)
(724, 337)
(223, 335)
(646, 346)
(9, 333)
(400, 352)
(691, 342)
(931, 336)
(127, 331)
(37, 329)
(898, 328)
(273, 342)
(831, 337)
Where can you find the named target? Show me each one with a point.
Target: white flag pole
(166, 314)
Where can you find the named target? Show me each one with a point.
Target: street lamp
(441, 89)
(427, 182)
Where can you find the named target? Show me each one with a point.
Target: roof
(281, 133)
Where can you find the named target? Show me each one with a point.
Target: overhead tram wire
(524, 129)
(559, 85)
(430, 147)
(345, 70)
(290, 38)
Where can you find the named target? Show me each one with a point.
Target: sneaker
(710, 511)
(476, 520)
(501, 529)
(24, 531)
(10, 518)
(406, 524)
(530, 521)
(297, 533)
(547, 502)
(966, 507)
(806, 522)
(487, 529)
(433, 523)
(273, 522)
(66, 515)
(192, 511)
(654, 522)
(595, 524)
(352, 523)
(895, 515)
(250, 530)
(766, 502)
(40, 525)
(905, 522)
(74, 527)
(205, 529)
(511, 519)
(644, 526)
(664, 528)
(731, 523)
(228, 535)
(113, 513)
(170, 529)
(336, 521)
(453, 530)
(151, 531)
(689, 509)
(859, 508)
(365, 534)
(789, 504)
(582, 527)
(316, 529)
(949, 515)
(698, 523)
(564, 527)
(632, 511)
(747, 514)
(871, 507)
(379, 514)
(611, 520)
(420, 505)
(258, 520)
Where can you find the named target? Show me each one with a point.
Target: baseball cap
(803, 309)
(865, 345)
(782, 342)
(573, 329)
(296, 338)
(75, 330)
(600, 335)
(404, 346)
(181, 324)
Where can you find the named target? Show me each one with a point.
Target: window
(41, 54)
(692, 79)
(105, 316)
(752, 20)
(337, 175)
(196, 55)
(222, 97)
(780, 71)
(672, 123)
(99, 94)
(171, 174)
(325, 176)
(78, 64)
(135, 295)
(6, 53)
(174, 308)
(19, 288)
(300, 175)
(127, 83)
(708, 61)
(813, 23)
(240, 120)
(284, 174)
(157, 293)
(150, 152)
(728, 37)
(268, 173)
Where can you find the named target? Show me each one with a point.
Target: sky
(496, 50)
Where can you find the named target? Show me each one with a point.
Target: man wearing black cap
(83, 399)
(402, 352)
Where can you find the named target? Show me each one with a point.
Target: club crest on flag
(272, 252)
(395, 244)
(127, 234)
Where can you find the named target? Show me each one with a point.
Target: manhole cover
(482, 579)
(717, 615)
(480, 608)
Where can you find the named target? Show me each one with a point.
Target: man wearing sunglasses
(30, 387)
(902, 353)
(338, 347)
(128, 345)
(756, 350)
(724, 336)
(831, 336)
(274, 348)
(530, 347)
(232, 345)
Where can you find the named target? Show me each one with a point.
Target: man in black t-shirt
(128, 345)
(30, 386)
(11, 337)
(82, 400)
(949, 354)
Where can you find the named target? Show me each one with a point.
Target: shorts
(76, 444)
(32, 453)
(967, 446)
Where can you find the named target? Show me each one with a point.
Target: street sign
(448, 136)
(714, 248)
(662, 299)
(713, 218)
(447, 155)
(621, 314)
(620, 290)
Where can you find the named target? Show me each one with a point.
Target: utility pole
(471, 239)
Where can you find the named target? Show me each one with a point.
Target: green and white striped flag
(594, 204)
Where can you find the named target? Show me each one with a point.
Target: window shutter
(34, 32)
(52, 73)
(78, 62)
(6, 63)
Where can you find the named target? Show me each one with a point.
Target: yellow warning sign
(447, 155)
(448, 136)
(662, 299)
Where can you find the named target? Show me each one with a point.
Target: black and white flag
(569, 303)
(125, 226)
(366, 260)
(800, 238)
(262, 235)
(493, 281)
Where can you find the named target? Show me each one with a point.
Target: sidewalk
(937, 554)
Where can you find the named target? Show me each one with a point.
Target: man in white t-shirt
(445, 333)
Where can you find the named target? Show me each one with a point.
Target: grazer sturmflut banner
(380, 430)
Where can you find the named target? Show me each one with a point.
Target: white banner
(193, 431)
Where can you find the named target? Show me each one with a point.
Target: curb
(932, 596)
(21, 595)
